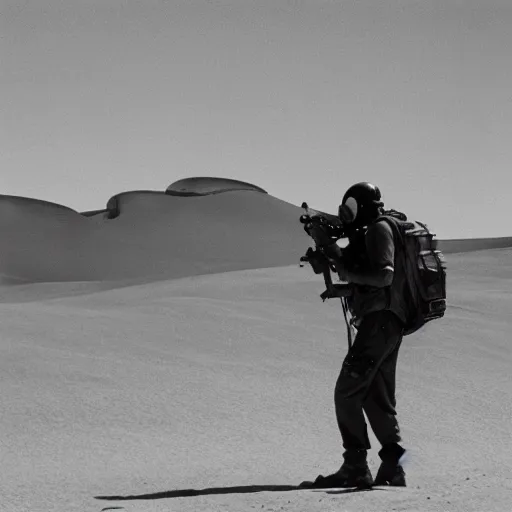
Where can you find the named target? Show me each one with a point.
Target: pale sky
(302, 98)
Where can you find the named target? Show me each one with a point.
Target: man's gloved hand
(319, 234)
(337, 290)
(317, 260)
(335, 254)
(333, 251)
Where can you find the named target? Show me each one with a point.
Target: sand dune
(202, 186)
(474, 244)
(198, 226)
(148, 234)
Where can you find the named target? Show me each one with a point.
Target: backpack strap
(344, 305)
(395, 228)
(397, 239)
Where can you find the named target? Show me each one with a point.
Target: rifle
(325, 229)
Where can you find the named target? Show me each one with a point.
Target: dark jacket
(376, 251)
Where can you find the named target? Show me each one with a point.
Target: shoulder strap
(395, 228)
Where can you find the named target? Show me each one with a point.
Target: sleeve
(380, 247)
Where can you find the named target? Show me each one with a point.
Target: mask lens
(348, 211)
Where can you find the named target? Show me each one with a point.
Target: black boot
(354, 472)
(390, 471)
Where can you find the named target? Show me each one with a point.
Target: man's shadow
(185, 493)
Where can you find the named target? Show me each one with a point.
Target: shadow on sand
(185, 493)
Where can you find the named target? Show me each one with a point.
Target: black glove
(319, 234)
(317, 260)
(335, 255)
(333, 251)
(337, 290)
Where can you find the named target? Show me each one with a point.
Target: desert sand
(167, 353)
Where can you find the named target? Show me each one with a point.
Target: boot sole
(335, 485)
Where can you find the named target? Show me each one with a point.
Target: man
(373, 268)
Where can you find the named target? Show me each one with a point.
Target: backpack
(425, 270)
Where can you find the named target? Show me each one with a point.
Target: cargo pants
(367, 382)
